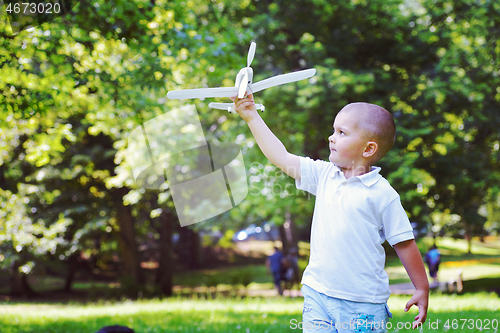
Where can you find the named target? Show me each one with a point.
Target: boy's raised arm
(411, 259)
(268, 143)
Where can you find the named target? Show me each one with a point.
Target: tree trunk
(291, 232)
(288, 239)
(72, 269)
(26, 287)
(126, 239)
(165, 267)
(16, 286)
(468, 237)
(468, 231)
(284, 239)
(196, 250)
(190, 247)
(19, 285)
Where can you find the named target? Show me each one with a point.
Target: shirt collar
(368, 179)
(371, 177)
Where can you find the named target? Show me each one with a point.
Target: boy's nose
(330, 138)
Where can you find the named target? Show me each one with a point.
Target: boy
(345, 286)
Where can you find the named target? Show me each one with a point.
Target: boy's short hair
(378, 124)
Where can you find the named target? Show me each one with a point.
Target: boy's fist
(245, 107)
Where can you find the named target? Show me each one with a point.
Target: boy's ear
(370, 149)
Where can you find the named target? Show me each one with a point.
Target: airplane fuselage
(241, 75)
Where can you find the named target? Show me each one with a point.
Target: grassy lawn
(230, 315)
(483, 262)
(447, 313)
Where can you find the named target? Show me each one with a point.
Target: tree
(110, 73)
(457, 95)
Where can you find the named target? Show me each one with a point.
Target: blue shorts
(327, 314)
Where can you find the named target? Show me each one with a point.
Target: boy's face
(348, 142)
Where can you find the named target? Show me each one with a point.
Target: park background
(81, 246)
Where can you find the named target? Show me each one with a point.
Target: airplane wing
(203, 93)
(220, 106)
(282, 79)
(229, 106)
(233, 91)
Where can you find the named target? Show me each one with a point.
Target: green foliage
(23, 239)
(73, 88)
(227, 240)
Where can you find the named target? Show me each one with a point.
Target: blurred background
(73, 223)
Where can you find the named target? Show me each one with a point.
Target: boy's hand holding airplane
(245, 107)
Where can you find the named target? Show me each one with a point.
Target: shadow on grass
(484, 284)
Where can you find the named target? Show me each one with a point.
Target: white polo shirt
(352, 218)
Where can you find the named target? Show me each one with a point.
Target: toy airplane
(242, 85)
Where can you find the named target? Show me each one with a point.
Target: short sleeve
(397, 227)
(310, 172)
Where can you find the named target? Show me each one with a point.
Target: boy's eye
(340, 132)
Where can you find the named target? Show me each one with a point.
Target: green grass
(172, 315)
(450, 246)
(222, 315)
(484, 261)
(443, 309)
(397, 274)
(262, 314)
